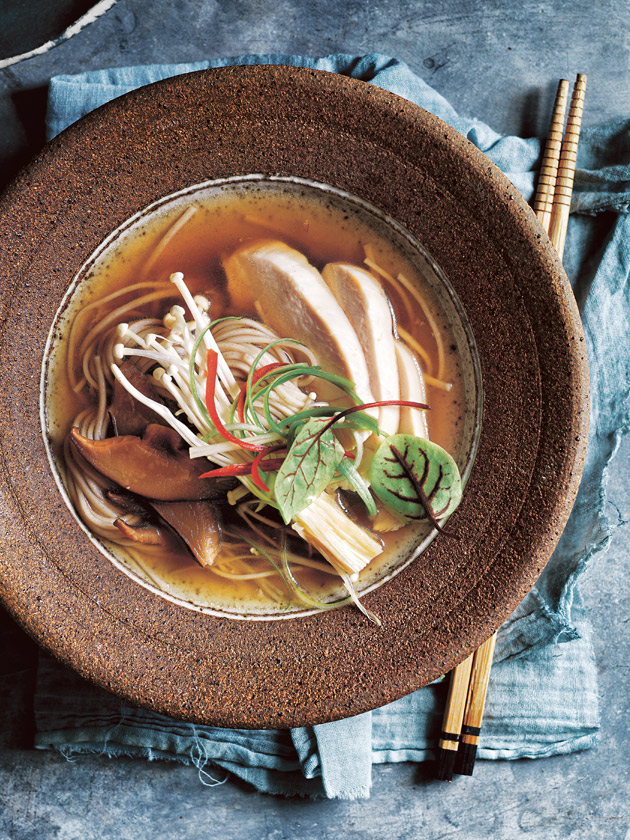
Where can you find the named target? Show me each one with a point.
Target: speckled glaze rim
(445, 291)
(91, 15)
(372, 144)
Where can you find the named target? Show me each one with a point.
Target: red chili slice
(241, 469)
(212, 361)
(256, 464)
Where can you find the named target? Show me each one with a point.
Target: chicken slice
(293, 300)
(365, 304)
(412, 420)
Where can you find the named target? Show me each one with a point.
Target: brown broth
(325, 229)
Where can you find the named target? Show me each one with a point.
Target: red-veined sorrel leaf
(309, 466)
(405, 468)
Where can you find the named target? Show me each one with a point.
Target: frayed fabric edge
(571, 745)
(567, 596)
(71, 752)
(580, 743)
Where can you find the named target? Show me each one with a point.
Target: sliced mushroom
(197, 524)
(127, 501)
(130, 416)
(365, 304)
(148, 533)
(155, 465)
(293, 299)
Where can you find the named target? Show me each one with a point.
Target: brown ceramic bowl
(416, 170)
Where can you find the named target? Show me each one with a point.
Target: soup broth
(193, 233)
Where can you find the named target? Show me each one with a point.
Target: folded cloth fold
(543, 691)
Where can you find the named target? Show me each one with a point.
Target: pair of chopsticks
(557, 171)
(461, 724)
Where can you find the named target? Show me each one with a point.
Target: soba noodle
(169, 332)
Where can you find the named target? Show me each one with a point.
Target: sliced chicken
(412, 421)
(155, 465)
(385, 521)
(365, 305)
(197, 524)
(293, 299)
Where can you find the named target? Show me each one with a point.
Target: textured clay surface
(381, 148)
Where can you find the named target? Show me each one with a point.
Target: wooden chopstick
(475, 702)
(549, 167)
(452, 720)
(566, 168)
(466, 699)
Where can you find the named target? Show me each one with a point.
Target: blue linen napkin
(542, 698)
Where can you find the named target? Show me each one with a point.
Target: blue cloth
(543, 691)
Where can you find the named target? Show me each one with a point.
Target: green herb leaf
(352, 475)
(309, 466)
(415, 478)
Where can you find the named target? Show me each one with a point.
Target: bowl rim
(326, 191)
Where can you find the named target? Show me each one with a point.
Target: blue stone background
(500, 61)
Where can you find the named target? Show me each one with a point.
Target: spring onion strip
(268, 390)
(299, 590)
(249, 407)
(339, 381)
(307, 414)
(357, 426)
(349, 471)
(263, 553)
(292, 371)
(376, 404)
(353, 595)
(270, 421)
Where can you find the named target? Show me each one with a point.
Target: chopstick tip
(466, 756)
(446, 764)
